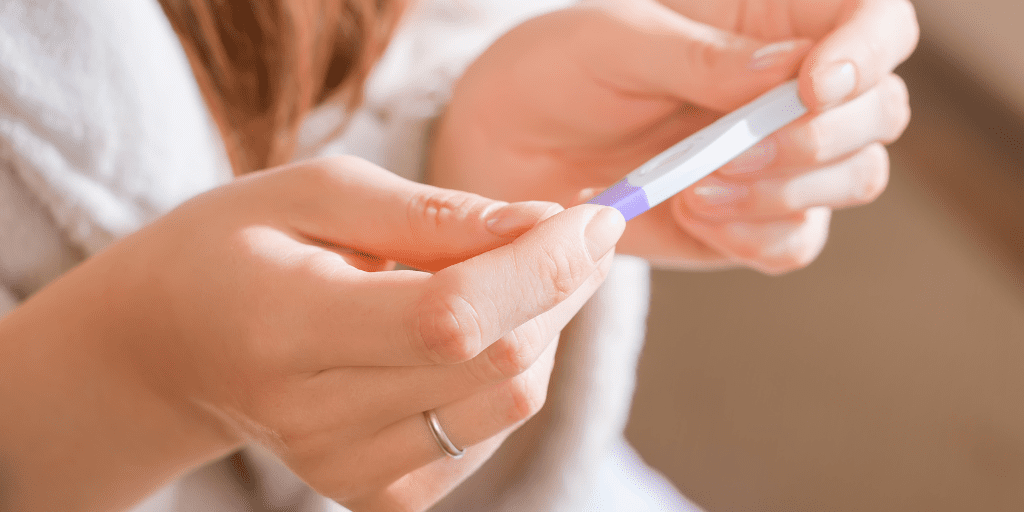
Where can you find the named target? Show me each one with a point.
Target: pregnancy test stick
(704, 152)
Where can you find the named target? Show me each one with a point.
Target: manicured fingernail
(512, 219)
(603, 231)
(713, 192)
(773, 54)
(753, 159)
(836, 83)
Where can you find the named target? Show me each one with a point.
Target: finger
(427, 387)
(868, 44)
(470, 305)
(413, 318)
(474, 419)
(771, 247)
(879, 115)
(397, 392)
(351, 203)
(648, 48)
(408, 444)
(857, 180)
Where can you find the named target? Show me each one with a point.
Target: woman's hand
(259, 312)
(566, 104)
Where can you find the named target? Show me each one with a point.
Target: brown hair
(262, 65)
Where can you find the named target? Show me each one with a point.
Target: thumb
(354, 204)
(659, 51)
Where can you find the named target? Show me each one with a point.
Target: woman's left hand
(568, 103)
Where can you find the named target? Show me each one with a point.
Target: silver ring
(447, 446)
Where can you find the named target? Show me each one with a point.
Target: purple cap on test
(626, 198)
(698, 155)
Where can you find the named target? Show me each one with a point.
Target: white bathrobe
(103, 129)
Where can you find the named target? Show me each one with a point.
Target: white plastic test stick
(704, 152)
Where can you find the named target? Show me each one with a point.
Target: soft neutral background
(888, 376)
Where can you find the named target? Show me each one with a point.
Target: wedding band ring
(446, 444)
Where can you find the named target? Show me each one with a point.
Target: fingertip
(603, 231)
(868, 43)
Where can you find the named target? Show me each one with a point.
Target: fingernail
(773, 54)
(753, 159)
(511, 219)
(836, 83)
(603, 231)
(714, 192)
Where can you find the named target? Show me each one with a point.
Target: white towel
(102, 129)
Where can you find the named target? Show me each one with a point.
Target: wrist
(81, 425)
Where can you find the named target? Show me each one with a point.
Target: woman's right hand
(263, 316)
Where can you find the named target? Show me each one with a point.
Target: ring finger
(772, 247)
(407, 445)
(856, 180)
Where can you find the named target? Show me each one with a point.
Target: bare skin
(225, 323)
(566, 104)
(257, 313)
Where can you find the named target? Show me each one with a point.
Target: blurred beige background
(984, 37)
(888, 376)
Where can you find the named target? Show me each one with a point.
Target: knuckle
(526, 397)
(511, 355)
(558, 275)
(435, 208)
(874, 174)
(896, 105)
(449, 327)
